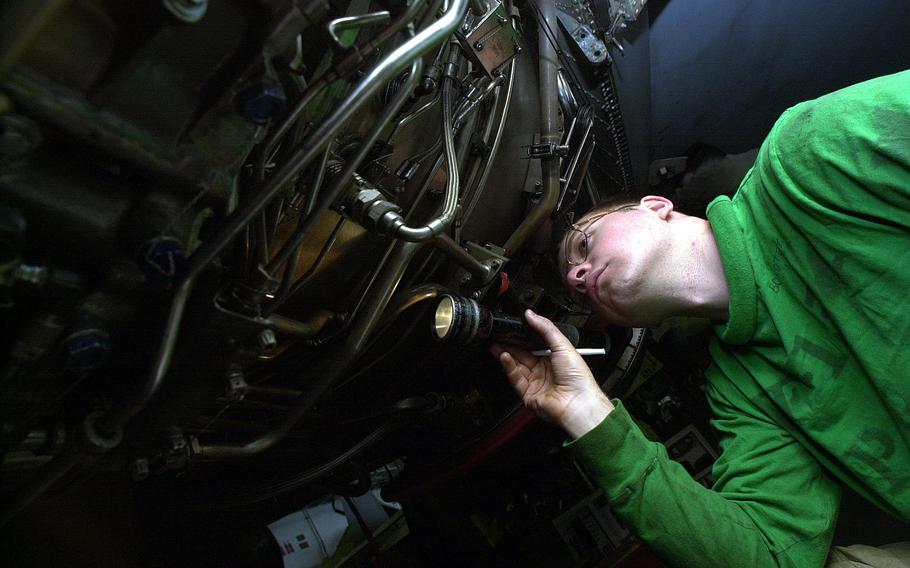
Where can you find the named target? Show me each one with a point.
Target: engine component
(578, 22)
(222, 222)
(492, 41)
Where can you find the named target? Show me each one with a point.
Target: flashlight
(464, 321)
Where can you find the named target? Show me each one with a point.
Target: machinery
(225, 227)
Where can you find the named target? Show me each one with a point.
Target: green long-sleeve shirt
(810, 384)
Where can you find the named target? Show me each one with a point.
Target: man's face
(609, 270)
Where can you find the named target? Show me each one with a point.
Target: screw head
(267, 340)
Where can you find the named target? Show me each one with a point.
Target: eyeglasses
(578, 255)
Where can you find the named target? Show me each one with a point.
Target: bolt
(267, 340)
(139, 469)
(236, 383)
(262, 103)
(478, 46)
(663, 170)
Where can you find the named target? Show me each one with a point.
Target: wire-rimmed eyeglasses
(578, 255)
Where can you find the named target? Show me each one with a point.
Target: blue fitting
(86, 350)
(161, 259)
(262, 103)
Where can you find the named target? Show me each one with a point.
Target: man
(805, 272)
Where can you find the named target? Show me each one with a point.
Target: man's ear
(660, 205)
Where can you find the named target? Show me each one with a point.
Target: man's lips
(591, 285)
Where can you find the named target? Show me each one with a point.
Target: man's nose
(576, 276)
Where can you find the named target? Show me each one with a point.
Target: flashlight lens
(444, 314)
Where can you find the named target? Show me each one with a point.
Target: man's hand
(559, 388)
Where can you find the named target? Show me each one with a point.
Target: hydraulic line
(344, 179)
(334, 365)
(385, 70)
(397, 226)
(475, 195)
(347, 65)
(269, 491)
(549, 133)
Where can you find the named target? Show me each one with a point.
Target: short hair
(609, 204)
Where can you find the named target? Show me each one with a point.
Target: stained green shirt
(810, 385)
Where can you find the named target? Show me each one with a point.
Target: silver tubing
(549, 133)
(334, 365)
(396, 223)
(479, 270)
(472, 104)
(388, 68)
(488, 167)
(316, 89)
(413, 115)
(344, 179)
(339, 25)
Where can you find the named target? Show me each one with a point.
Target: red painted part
(475, 455)
(504, 283)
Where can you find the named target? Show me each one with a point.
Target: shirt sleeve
(771, 504)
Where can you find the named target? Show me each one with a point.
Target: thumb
(551, 334)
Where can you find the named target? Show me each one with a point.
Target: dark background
(721, 72)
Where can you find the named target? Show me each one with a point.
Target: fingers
(521, 355)
(516, 373)
(551, 334)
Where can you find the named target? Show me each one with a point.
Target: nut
(266, 339)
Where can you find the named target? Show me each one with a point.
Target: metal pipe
(44, 480)
(291, 264)
(334, 365)
(394, 224)
(347, 64)
(315, 143)
(549, 133)
(306, 329)
(488, 167)
(353, 22)
(269, 491)
(414, 114)
(477, 269)
(474, 102)
(344, 179)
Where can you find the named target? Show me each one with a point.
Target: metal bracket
(583, 35)
(492, 41)
(540, 151)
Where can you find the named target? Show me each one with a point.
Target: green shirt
(810, 384)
